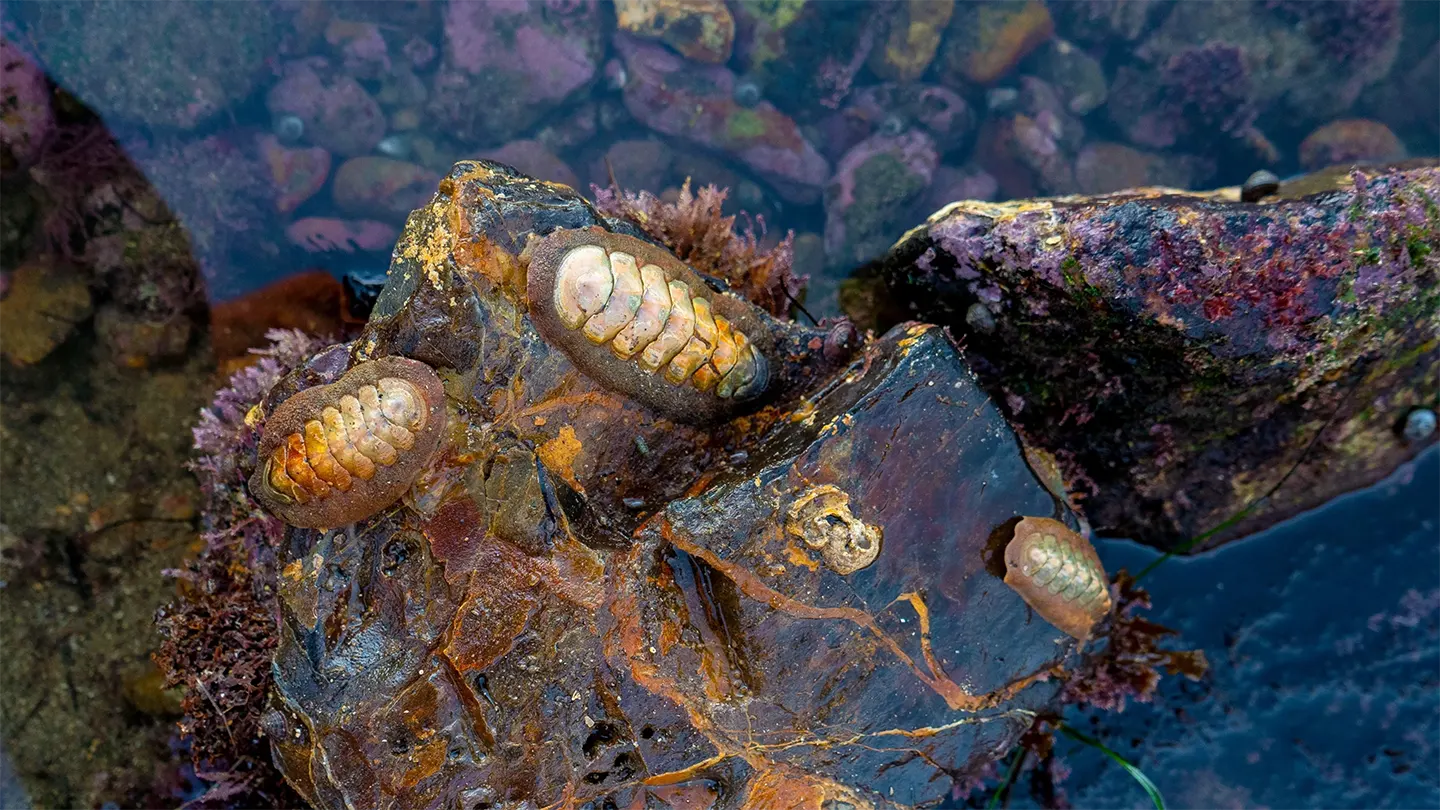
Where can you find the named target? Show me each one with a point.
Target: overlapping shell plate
(665, 325)
(1058, 573)
(334, 454)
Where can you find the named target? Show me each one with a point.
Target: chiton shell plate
(335, 454)
(1058, 573)
(639, 321)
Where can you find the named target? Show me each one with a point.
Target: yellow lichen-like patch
(559, 454)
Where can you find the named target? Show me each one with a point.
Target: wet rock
(1103, 167)
(1106, 23)
(382, 188)
(803, 56)
(697, 103)
(363, 51)
(108, 54)
(640, 164)
(297, 174)
(875, 185)
(1030, 144)
(951, 183)
(138, 339)
(986, 40)
(534, 159)
(506, 65)
(1205, 361)
(702, 30)
(26, 119)
(1078, 76)
(1350, 140)
(325, 234)
(914, 35)
(891, 109)
(43, 304)
(311, 302)
(629, 583)
(336, 111)
(1259, 185)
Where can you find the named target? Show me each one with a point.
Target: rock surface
(1199, 364)
(585, 602)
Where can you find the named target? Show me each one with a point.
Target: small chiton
(638, 320)
(338, 453)
(1058, 573)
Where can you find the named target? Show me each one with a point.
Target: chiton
(1058, 573)
(338, 453)
(638, 320)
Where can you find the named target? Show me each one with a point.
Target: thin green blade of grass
(1004, 786)
(1135, 773)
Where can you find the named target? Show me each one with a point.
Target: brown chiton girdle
(821, 518)
(1057, 572)
(338, 453)
(638, 320)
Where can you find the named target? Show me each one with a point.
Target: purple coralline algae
(1208, 365)
(26, 119)
(508, 63)
(336, 112)
(875, 188)
(697, 103)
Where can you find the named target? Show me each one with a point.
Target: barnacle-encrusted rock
(583, 600)
(1190, 357)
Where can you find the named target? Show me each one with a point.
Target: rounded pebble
(1419, 425)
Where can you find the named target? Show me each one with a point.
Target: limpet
(338, 453)
(637, 319)
(1058, 573)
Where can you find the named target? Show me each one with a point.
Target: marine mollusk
(1057, 572)
(637, 319)
(338, 453)
(821, 518)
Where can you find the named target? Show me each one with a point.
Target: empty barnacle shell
(634, 317)
(1058, 573)
(338, 453)
(821, 519)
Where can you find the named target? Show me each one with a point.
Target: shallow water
(288, 137)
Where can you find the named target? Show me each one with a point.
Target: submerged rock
(805, 601)
(1199, 363)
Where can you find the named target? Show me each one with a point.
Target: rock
(1350, 140)
(697, 103)
(914, 36)
(1208, 364)
(362, 47)
(986, 40)
(1076, 75)
(108, 53)
(296, 173)
(803, 57)
(311, 302)
(507, 64)
(1107, 23)
(702, 30)
(337, 112)
(139, 339)
(43, 304)
(1103, 167)
(650, 592)
(875, 185)
(382, 188)
(951, 184)
(1029, 145)
(639, 164)
(26, 119)
(534, 159)
(323, 234)
(890, 109)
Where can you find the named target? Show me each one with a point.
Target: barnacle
(1057, 572)
(821, 518)
(337, 453)
(636, 318)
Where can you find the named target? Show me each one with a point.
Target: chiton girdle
(638, 320)
(335, 454)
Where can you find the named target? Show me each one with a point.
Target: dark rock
(576, 564)
(1200, 364)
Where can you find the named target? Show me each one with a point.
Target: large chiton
(638, 320)
(338, 453)
(1058, 573)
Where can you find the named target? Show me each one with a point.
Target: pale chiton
(1058, 573)
(637, 319)
(338, 453)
